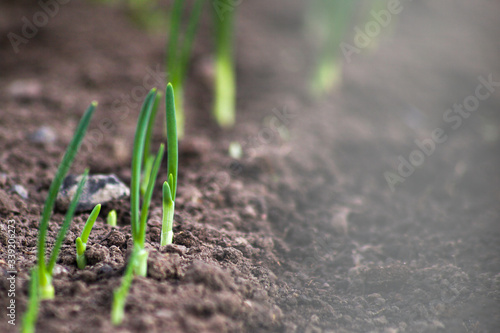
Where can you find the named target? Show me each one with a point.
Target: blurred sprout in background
(334, 25)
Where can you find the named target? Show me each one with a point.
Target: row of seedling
(149, 13)
(41, 286)
(327, 21)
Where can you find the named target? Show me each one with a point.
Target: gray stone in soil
(20, 190)
(99, 189)
(25, 89)
(44, 134)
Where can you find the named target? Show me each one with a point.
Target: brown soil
(300, 235)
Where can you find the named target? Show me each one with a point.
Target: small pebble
(44, 134)
(340, 222)
(382, 320)
(59, 270)
(20, 190)
(249, 212)
(235, 150)
(25, 89)
(105, 270)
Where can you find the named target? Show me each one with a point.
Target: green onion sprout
(139, 215)
(178, 56)
(170, 186)
(138, 260)
(112, 218)
(81, 242)
(45, 287)
(225, 82)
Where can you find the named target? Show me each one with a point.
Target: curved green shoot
(172, 141)
(120, 294)
(225, 82)
(81, 242)
(170, 186)
(149, 192)
(178, 57)
(31, 314)
(45, 276)
(111, 220)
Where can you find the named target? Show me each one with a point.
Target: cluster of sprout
(41, 286)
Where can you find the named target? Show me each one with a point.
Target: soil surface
(303, 233)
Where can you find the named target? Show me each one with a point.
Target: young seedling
(328, 22)
(225, 82)
(31, 314)
(81, 242)
(170, 186)
(45, 287)
(149, 157)
(139, 215)
(178, 56)
(112, 218)
(138, 259)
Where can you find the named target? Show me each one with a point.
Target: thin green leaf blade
(137, 158)
(67, 221)
(151, 125)
(189, 39)
(56, 184)
(149, 192)
(172, 143)
(175, 20)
